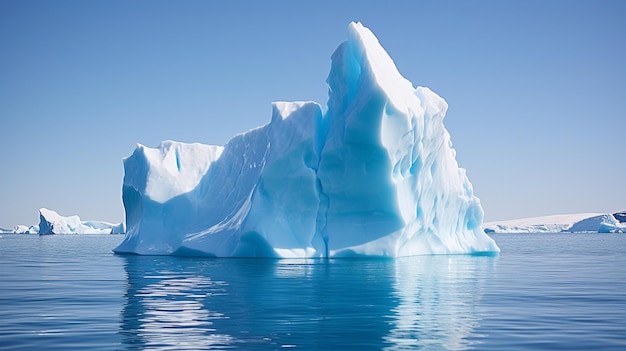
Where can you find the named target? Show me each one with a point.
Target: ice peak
(374, 55)
(362, 62)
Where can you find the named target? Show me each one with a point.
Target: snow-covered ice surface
(50, 222)
(575, 223)
(374, 176)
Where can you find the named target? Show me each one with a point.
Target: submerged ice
(375, 176)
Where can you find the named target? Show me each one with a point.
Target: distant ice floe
(50, 222)
(21, 229)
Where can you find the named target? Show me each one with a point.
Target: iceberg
(373, 176)
(50, 222)
(604, 223)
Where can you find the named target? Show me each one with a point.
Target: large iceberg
(375, 175)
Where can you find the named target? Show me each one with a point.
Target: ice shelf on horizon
(374, 176)
(568, 223)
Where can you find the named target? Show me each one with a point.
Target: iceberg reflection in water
(201, 304)
(438, 299)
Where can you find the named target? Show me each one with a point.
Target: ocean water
(543, 292)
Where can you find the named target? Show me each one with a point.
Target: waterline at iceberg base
(374, 176)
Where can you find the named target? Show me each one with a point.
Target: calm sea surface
(543, 292)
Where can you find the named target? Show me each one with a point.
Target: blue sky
(536, 90)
